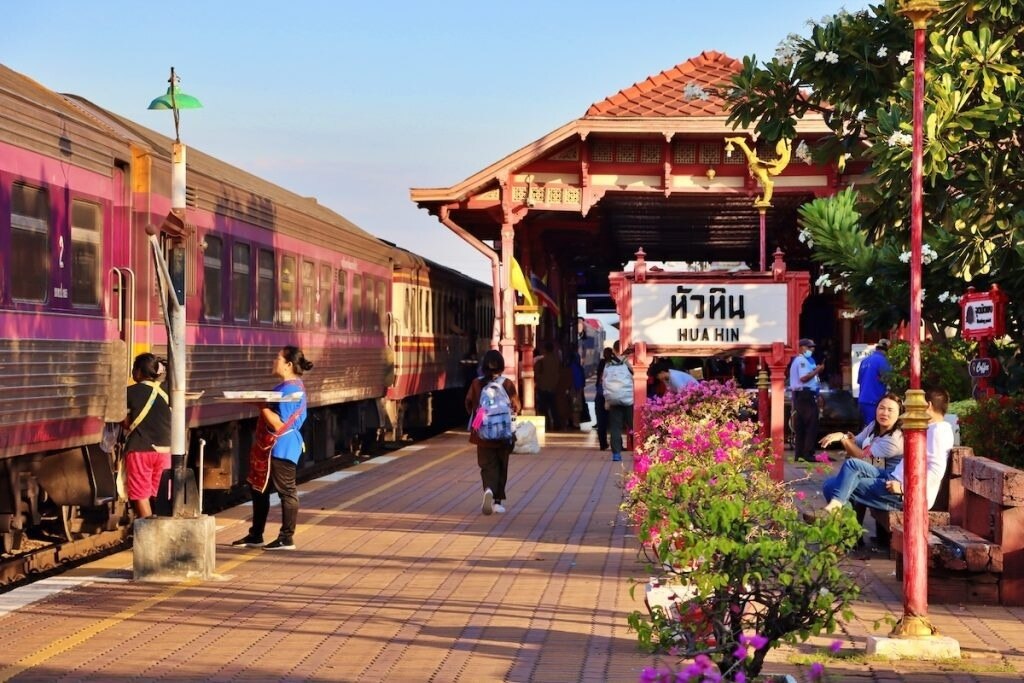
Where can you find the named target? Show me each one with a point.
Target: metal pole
(761, 210)
(174, 315)
(915, 508)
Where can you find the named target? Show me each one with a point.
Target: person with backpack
(617, 385)
(491, 402)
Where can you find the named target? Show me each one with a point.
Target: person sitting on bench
(880, 443)
(861, 482)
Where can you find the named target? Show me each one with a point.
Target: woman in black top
(148, 443)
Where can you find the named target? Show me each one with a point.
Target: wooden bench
(938, 514)
(978, 555)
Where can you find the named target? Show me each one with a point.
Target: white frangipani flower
(882, 52)
(928, 254)
(694, 91)
(861, 114)
(900, 138)
(904, 57)
(803, 152)
(905, 257)
(871, 278)
(819, 55)
(832, 58)
(946, 296)
(823, 281)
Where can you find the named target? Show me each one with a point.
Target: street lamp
(175, 100)
(915, 509)
(184, 493)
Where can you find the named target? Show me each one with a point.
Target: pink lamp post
(915, 548)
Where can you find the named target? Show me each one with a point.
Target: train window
(241, 284)
(373, 305)
(382, 304)
(86, 238)
(323, 300)
(286, 309)
(427, 327)
(341, 307)
(30, 242)
(357, 302)
(407, 311)
(369, 295)
(213, 308)
(265, 287)
(308, 300)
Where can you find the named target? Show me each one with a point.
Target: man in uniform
(805, 386)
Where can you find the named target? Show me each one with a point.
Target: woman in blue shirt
(283, 420)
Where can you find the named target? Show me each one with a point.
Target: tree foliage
(856, 71)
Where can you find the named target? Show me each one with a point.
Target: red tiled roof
(662, 95)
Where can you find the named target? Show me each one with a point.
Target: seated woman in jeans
(880, 443)
(861, 482)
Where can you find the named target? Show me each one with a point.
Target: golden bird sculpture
(761, 170)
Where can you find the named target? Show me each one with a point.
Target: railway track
(52, 558)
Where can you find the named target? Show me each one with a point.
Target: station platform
(399, 577)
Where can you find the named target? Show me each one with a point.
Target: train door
(122, 277)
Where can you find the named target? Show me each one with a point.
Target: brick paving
(398, 577)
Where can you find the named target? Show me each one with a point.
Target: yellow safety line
(68, 642)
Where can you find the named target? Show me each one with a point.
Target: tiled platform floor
(398, 577)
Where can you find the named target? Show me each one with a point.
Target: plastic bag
(526, 438)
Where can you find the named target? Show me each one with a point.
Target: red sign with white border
(982, 314)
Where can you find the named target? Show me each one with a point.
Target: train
(391, 333)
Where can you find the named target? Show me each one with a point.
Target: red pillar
(915, 497)
(777, 363)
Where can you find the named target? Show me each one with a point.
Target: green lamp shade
(181, 101)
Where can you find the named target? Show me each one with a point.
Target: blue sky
(356, 102)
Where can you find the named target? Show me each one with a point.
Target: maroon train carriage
(259, 267)
(441, 324)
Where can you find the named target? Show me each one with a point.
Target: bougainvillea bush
(709, 515)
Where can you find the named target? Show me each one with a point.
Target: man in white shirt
(677, 379)
(805, 387)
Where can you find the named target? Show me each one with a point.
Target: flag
(544, 294)
(518, 282)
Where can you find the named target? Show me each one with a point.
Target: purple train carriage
(258, 267)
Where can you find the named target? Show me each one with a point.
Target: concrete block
(169, 549)
(926, 648)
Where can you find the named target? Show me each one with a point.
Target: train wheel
(72, 522)
(354, 445)
(80, 522)
(11, 541)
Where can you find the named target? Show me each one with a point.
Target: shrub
(942, 365)
(995, 429)
(706, 507)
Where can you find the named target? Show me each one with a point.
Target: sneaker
(616, 457)
(249, 542)
(498, 508)
(488, 504)
(280, 545)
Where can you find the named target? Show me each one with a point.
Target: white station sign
(700, 315)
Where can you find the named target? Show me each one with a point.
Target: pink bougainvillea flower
(836, 646)
(800, 495)
(816, 672)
